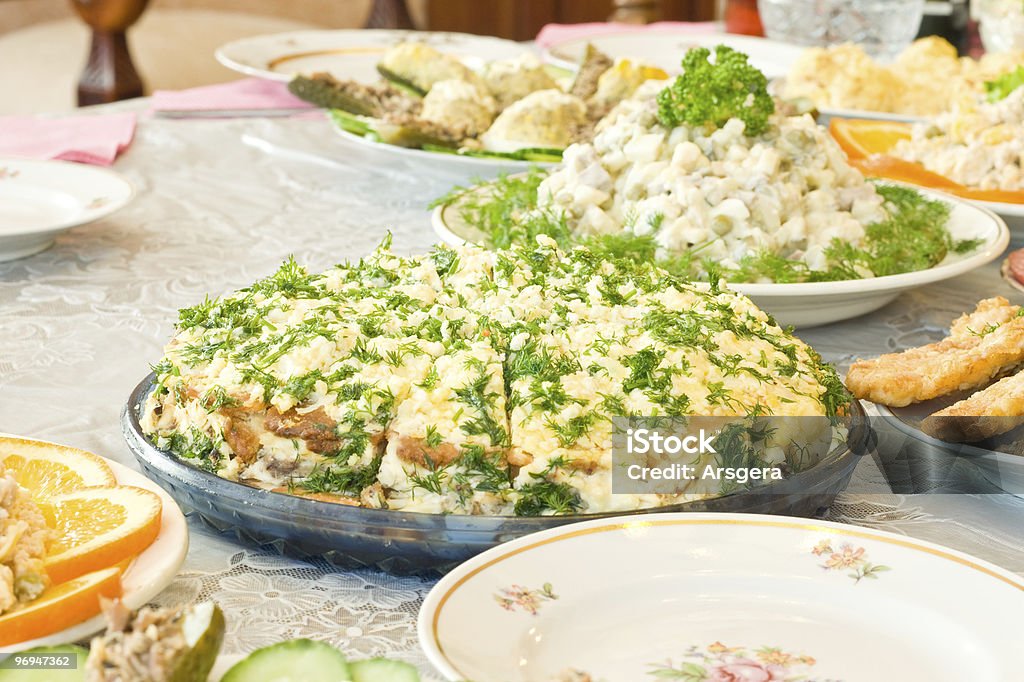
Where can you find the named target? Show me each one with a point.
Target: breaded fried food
(981, 346)
(996, 410)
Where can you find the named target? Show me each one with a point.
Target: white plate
(811, 304)
(41, 199)
(352, 53)
(440, 162)
(733, 596)
(147, 575)
(666, 49)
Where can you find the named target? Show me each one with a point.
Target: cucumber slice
(529, 154)
(351, 122)
(297, 660)
(383, 670)
(76, 674)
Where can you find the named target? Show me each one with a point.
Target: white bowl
(810, 304)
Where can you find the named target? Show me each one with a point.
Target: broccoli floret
(1001, 87)
(711, 94)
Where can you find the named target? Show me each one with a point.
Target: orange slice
(46, 469)
(892, 168)
(860, 138)
(98, 527)
(60, 606)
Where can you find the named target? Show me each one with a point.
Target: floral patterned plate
(723, 598)
(41, 199)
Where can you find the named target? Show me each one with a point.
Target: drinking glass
(882, 27)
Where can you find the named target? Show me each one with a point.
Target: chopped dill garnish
(217, 397)
(341, 480)
(506, 211)
(913, 237)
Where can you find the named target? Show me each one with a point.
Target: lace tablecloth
(220, 205)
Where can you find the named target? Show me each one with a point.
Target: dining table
(222, 202)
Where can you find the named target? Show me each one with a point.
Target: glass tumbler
(882, 27)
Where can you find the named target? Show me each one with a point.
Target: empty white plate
(724, 597)
(41, 199)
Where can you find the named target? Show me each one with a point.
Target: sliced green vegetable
(297, 660)
(351, 123)
(383, 670)
(203, 627)
(329, 95)
(535, 154)
(51, 673)
(1001, 87)
(398, 81)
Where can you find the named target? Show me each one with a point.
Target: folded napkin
(553, 34)
(86, 139)
(248, 93)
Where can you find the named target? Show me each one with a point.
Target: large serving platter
(41, 199)
(695, 597)
(404, 542)
(146, 576)
(811, 304)
(349, 53)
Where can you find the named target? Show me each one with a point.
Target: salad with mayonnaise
(706, 177)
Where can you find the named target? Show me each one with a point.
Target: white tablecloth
(80, 323)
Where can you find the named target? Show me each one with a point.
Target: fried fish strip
(981, 346)
(996, 410)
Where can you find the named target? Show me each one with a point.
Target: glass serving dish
(412, 542)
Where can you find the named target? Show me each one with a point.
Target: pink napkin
(248, 93)
(553, 34)
(86, 139)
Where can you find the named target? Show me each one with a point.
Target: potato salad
(719, 191)
(471, 381)
(978, 144)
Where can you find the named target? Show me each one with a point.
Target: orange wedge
(98, 527)
(861, 138)
(60, 606)
(46, 469)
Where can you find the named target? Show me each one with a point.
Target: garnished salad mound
(977, 143)
(707, 178)
(473, 381)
